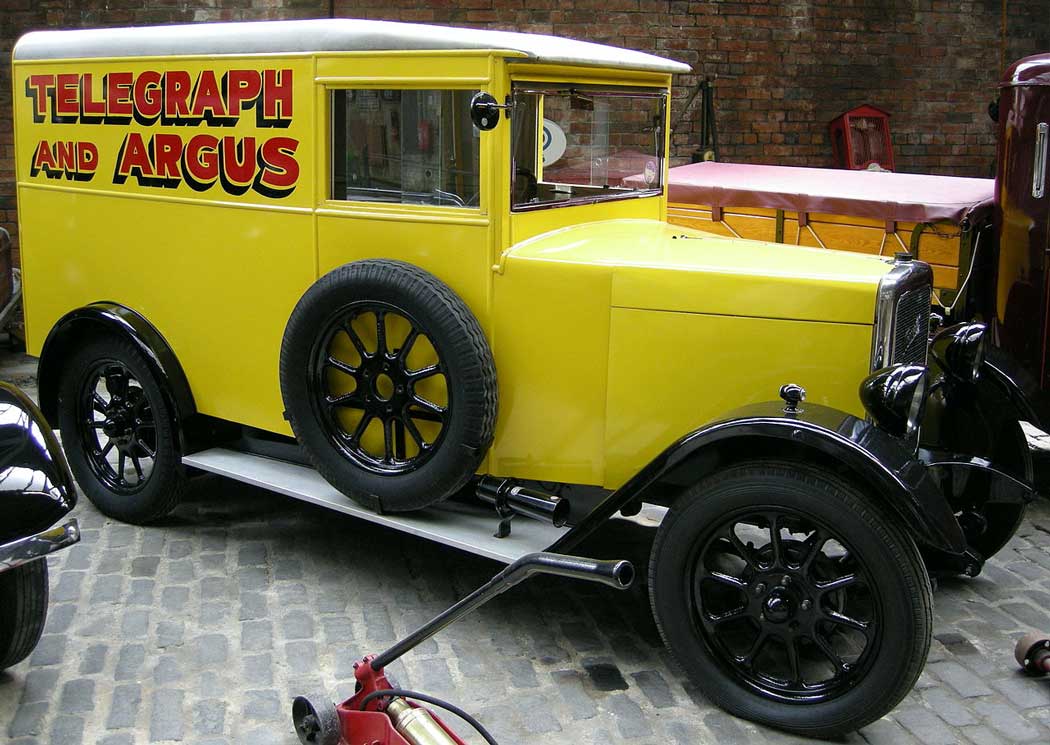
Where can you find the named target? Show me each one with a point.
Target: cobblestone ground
(203, 628)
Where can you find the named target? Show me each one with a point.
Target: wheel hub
(120, 422)
(779, 606)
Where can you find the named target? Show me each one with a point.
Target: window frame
(604, 89)
(328, 198)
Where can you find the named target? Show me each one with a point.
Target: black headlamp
(895, 397)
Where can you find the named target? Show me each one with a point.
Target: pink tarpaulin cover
(902, 197)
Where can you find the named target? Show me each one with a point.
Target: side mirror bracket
(484, 110)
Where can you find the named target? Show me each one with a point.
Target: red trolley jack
(380, 713)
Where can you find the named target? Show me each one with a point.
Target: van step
(463, 526)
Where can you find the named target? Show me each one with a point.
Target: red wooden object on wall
(860, 137)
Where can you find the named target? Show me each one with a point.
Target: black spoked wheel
(785, 605)
(379, 388)
(389, 384)
(790, 599)
(118, 431)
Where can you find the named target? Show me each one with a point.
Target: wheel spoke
(380, 332)
(838, 583)
(98, 425)
(400, 451)
(406, 345)
(744, 552)
(150, 452)
(729, 615)
(99, 404)
(121, 463)
(362, 425)
(825, 648)
(351, 332)
(727, 579)
(105, 451)
(137, 465)
(413, 431)
(774, 540)
(388, 440)
(756, 647)
(424, 372)
(793, 662)
(429, 407)
(350, 400)
(841, 619)
(813, 545)
(341, 366)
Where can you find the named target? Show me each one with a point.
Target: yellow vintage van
(435, 262)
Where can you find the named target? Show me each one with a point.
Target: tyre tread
(23, 595)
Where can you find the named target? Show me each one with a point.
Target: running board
(463, 526)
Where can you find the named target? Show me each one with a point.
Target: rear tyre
(389, 384)
(23, 610)
(119, 432)
(789, 599)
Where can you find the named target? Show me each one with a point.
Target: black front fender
(879, 462)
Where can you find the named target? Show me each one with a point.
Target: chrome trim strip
(1039, 166)
(904, 276)
(33, 547)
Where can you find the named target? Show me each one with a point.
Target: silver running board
(462, 526)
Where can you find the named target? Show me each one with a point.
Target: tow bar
(380, 713)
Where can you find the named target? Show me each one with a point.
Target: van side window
(405, 146)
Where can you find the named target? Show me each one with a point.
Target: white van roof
(324, 35)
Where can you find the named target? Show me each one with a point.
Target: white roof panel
(324, 35)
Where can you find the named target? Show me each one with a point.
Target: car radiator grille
(912, 327)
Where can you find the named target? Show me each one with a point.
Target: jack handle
(614, 573)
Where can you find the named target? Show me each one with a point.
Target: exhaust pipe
(509, 499)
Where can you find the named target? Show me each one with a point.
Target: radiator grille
(912, 327)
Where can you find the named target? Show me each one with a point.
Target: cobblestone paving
(202, 630)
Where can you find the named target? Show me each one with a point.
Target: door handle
(1039, 173)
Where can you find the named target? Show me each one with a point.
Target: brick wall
(784, 67)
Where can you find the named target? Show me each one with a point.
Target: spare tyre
(389, 384)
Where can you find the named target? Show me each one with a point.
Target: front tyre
(789, 599)
(119, 432)
(23, 610)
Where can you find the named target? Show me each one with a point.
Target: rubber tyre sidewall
(463, 349)
(889, 554)
(23, 610)
(165, 484)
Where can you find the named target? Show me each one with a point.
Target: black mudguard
(813, 434)
(981, 420)
(106, 317)
(36, 487)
